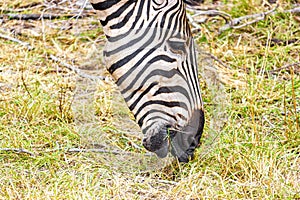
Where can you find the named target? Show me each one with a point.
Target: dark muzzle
(183, 142)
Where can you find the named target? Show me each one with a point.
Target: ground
(66, 136)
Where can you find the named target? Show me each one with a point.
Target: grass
(251, 144)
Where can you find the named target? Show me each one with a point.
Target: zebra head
(151, 55)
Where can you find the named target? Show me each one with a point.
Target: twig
(216, 59)
(166, 182)
(76, 70)
(29, 47)
(285, 67)
(257, 17)
(294, 10)
(41, 16)
(78, 150)
(74, 150)
(268, 121)
(81, 9)
(115, 152)
(18, 151)
(193, 23)
(24, 84)
(234, 23)
(27, 7)
(213, 13)
(294, 99)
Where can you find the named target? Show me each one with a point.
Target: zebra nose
(146, 144)
(184, 142)
(157, 143)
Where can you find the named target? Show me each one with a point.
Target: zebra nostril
(146, 144)
(145, 141)
(157, 143)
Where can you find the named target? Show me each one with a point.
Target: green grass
(251, 143)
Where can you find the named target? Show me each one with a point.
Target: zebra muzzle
(185, 141)
(158, 143)
(182, 143)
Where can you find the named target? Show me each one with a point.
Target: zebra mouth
(158, 143)
(184, 142)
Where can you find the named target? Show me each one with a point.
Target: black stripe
(167, 29)
(194, 55)
(148, 10)
(125, 60)
(169, 104)
(117, 13)
(123, 22)
(132, 106)
(157, 72)
(173, 89)
(136, 40)
(161, 90)
(141, 120)
(167, 12)
(105, 5)
(189, 77)
(142, 70)
(131, 43)
(137, 18)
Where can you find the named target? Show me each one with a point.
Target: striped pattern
(151, 55)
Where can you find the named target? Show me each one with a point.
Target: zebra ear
(193, 2)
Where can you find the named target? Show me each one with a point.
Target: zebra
(151, 56)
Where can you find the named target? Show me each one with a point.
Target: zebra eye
(177, 45)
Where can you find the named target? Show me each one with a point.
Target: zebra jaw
(180, 142)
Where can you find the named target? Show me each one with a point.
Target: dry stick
(29, 47)
(24, 84)
(213, 13)
(258, 17)
(195, 23)
(18, 151)
(41, 16)
(115, 152)
(78, 150)
(28, 7)
(217, 59)
(294, 10)
(73, 150)
(285, 67)
(294, 99)
(81, 9)
(76, 70)
(233, 23)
